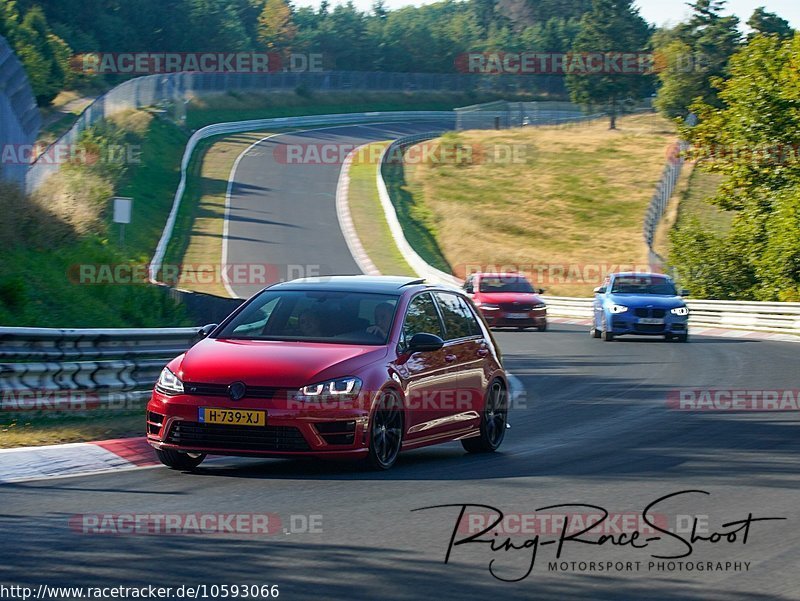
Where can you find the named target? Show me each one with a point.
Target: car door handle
(450, 358)
(483, 352)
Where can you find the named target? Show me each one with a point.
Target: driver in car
(383, 320)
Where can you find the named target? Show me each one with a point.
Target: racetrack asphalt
(282, 209)
(593, 426)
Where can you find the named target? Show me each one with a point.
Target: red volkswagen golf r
(339, 367)
(507, 300)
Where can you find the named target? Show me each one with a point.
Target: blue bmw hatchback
(644, 304)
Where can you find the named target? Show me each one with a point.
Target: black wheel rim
(387, 430)
(496, 413)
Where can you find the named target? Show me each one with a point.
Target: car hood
(508, 297)
(646, 300)
(273, 363)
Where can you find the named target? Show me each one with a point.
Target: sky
(659, 12)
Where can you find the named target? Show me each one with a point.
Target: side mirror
(540, 291)
(600, 290)
(206, 330)
(469, 289)
(424, 343)
(685, 292)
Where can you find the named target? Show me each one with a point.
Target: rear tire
(179, 461)
(493, 422)
(385, 432)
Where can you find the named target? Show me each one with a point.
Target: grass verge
(566, 207)
(368, 216)
(37, 431)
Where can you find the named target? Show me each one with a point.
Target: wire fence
(178, 88)
(19, 116)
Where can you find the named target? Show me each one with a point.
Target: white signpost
(122, 214)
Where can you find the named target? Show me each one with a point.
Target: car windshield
(643, 285)
(503, 284)
(316, 316)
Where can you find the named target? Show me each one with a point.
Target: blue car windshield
(643, 285)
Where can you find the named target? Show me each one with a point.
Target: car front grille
(238, 438)
(515, 308)
(253, 392)
(647, 328)
(658, 313)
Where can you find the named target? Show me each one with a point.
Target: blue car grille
(658, 313)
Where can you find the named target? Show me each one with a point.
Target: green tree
(693, 55)
(753, 141)
(768, 23)
(44, 55)
(612, 26)
(276, 30)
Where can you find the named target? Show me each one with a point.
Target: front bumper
(622, 324)
(536, 318)
(291, 429)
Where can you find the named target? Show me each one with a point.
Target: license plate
(517, 315)
(651, 321)
(233, 417)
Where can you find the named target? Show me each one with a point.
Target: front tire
(493, 422)
(386, 432)
(176, 460)
(542, 328)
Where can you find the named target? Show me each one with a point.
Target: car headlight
(332, 389)
(618, 308)
(168, 382)
(488, 307)
(680, 311)
(540, 306)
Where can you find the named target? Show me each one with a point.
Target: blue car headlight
(683, 311)
(617, 308)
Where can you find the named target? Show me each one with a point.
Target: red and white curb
(56, 461)
(697, 330)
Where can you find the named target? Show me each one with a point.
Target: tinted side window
(475, 327)
(421, 316)
(458, 322)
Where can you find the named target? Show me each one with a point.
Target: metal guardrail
(779, 318)
(174, 89)
(116, 368)
(267, 124)
(64, 369)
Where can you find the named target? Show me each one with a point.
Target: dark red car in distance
(507, 300)
(340, 367)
